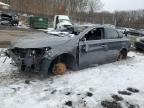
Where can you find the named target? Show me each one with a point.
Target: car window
(121, 35)
(111, 34)
(94, 34)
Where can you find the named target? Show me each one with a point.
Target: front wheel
(59, 69)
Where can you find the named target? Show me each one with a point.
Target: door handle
(103, 45)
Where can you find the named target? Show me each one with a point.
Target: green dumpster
(38, 22)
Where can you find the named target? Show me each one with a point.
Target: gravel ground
(9, 34)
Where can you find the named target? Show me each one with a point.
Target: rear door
(114, 42)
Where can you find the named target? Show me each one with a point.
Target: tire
(59, 69)
(122, 55)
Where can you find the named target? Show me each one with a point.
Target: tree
(93, 6)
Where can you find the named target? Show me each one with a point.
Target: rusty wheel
(59, 69)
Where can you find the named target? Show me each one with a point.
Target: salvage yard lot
(88, 88)
(8, 34)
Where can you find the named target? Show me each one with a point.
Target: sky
(113, 5)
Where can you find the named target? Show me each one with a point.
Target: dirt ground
(9, 34)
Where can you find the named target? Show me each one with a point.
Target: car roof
(100, 26)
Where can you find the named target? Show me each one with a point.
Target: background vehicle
(133, 35)
(8, 19)
(61, 21)
(139, 43)
(123, 29)
(56, 52)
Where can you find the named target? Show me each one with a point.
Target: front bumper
(41, 67)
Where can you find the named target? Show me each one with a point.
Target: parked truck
(61, 21)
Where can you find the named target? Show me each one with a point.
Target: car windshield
(79, 29)
(62, 20)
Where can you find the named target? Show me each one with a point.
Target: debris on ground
(129, 105)
(27, 81)
(46, 90)
(124, 93)
(78, 94)
(117, 98)
(134, 90)
(54, 91)
(111, 104)
(68, 93)
(89, 94)
(68, 103)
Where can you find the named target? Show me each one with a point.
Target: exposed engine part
(28, 59)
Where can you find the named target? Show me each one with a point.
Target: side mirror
(83, 39)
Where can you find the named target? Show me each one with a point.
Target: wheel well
(68, 59)
(123, 51)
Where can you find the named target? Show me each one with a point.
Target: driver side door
(92, 48)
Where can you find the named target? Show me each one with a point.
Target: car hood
(39, 40)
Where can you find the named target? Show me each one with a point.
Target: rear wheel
(122, 55)
(59, 69)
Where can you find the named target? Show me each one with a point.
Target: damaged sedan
(57, 53)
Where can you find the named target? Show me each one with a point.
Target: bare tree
(93, 6)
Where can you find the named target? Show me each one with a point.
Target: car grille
(23, 52)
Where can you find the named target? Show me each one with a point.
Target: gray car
(56, 53)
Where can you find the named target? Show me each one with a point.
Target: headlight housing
(48, 52)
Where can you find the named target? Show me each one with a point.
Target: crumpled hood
(39, 40)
